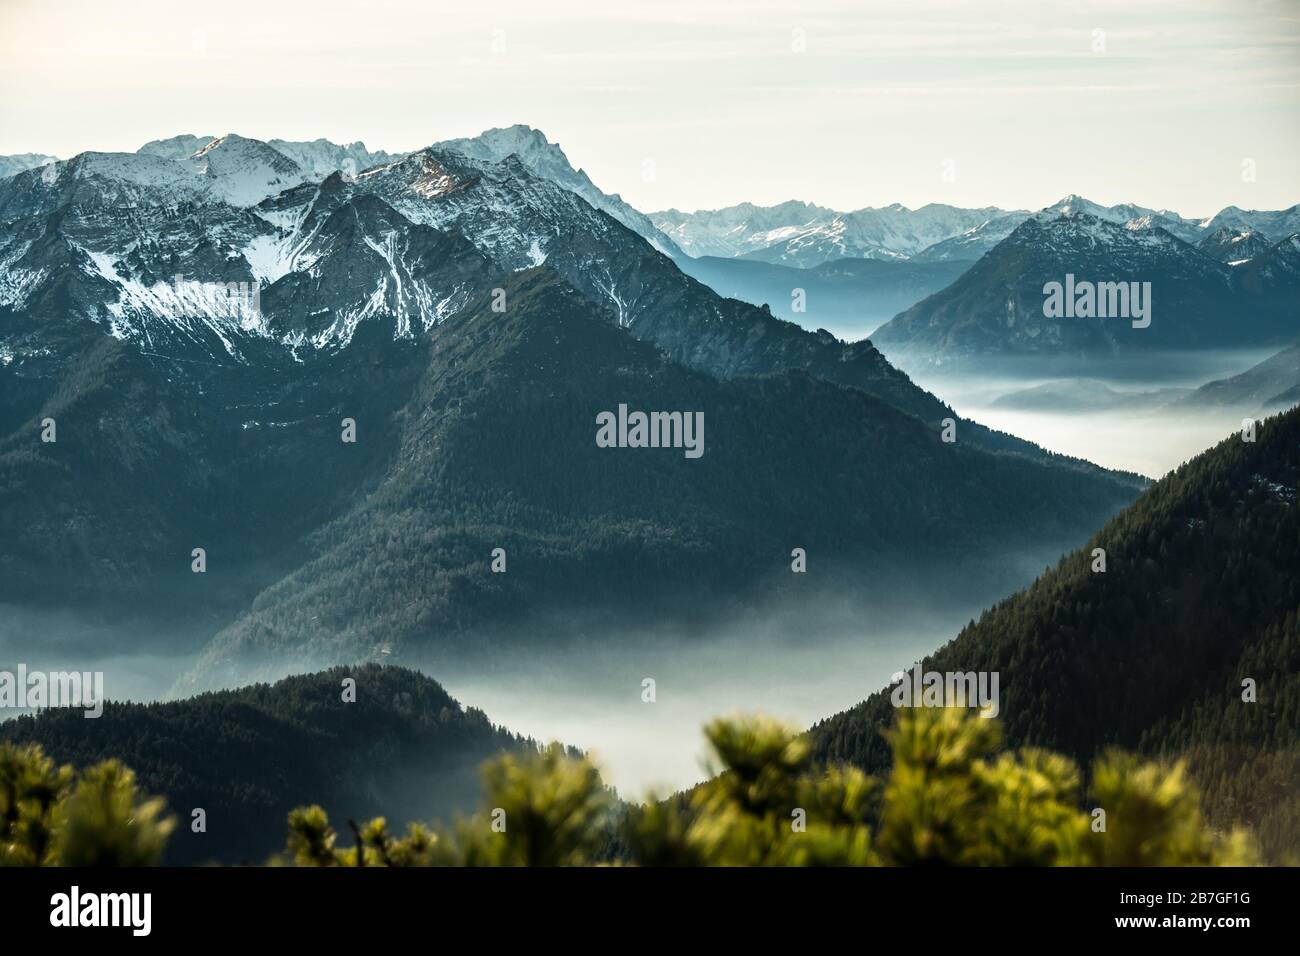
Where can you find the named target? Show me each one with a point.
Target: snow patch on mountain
(535, 252)
(17, 283)
(268, 257)
(224, 311)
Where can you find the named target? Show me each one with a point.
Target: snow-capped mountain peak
(1074, 203)
(1272, 225)
(245, 171)
(136, 176)
(182, 146)
(547, 160)
(1234, 246)
(396, 246)
(320, 157)
(807, 235)
(1139, 217)
(13, 165)
(429, 175)
(520, 139)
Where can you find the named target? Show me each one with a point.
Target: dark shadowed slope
(1201, 592)
(497, 448)
(996, 309)
(247, 757)
(1271, 385)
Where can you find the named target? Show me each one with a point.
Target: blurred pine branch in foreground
(950, 797)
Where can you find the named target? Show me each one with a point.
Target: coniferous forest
(1213, 731)
(679, 464)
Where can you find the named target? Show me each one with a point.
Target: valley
(402, 401)
(1132, 414)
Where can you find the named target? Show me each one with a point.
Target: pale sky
(706, 103)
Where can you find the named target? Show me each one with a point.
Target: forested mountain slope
(1201, 593)
(403, 747)
(497, 448)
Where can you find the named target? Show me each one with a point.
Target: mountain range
(797, 234)
(311, 396)
(494, 449)
(1000, 306)
(69, 248)
(805, 235)
(472, 319)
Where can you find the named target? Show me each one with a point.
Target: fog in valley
(1149, 444)
(798, 660)
(1131, 414)
(799, 670)
(802, 660)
